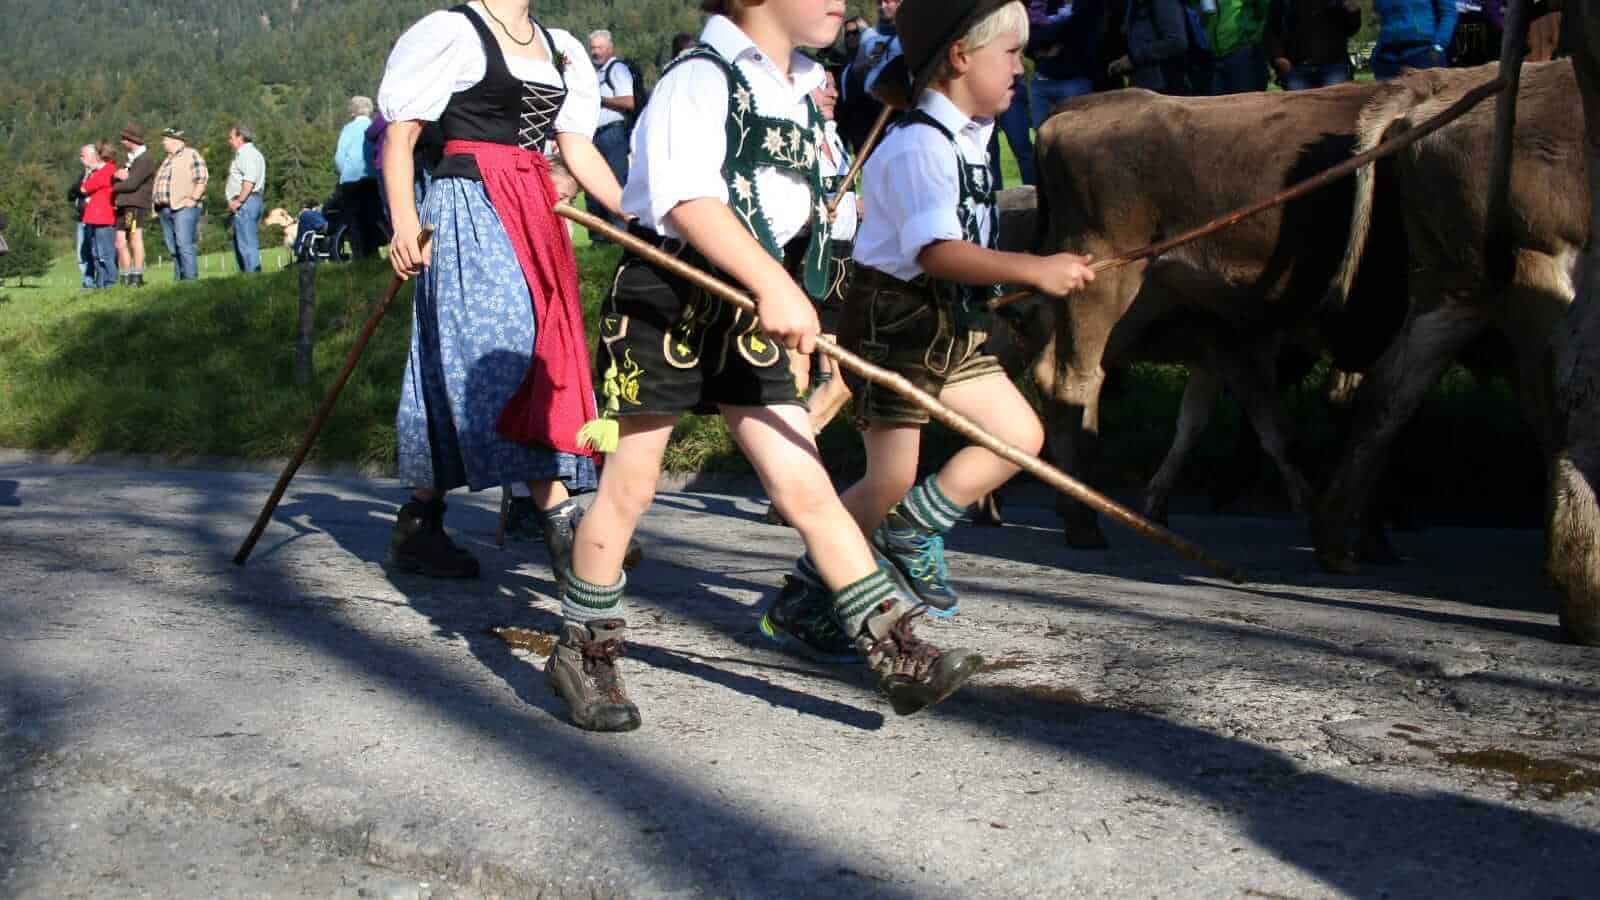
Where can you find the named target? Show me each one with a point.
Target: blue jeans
(246, 235)
(104, 239)
(612, 142)
(181, 230)
(1241, 71)
(85, 248)
(1047, 93)
(1388, 62)
(1308, 76)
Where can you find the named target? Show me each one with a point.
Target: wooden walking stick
(957, 422)
(1394, 145)
(324, 411)
(867, 146)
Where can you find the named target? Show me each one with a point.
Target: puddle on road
(1547, 779)
(1543, 778)
(537, 642)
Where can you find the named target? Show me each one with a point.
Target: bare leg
(548, 494)
(123, 258)
(996, 405)
(777, 441)
(892, 452)
(627, 485)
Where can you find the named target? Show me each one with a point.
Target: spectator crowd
(1180, 47)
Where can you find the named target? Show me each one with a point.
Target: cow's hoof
(1580, 622)
(1377, 551)
(1090, 537)
(1157, 513)
(1336, 562)
(986, 512)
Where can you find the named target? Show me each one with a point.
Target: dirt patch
(536, 642)
(1236, 617)
(1006, 662)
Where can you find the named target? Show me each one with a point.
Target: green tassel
(600, 435)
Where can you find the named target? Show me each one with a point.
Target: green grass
(206, 368)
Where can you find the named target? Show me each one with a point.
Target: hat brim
(919, 80)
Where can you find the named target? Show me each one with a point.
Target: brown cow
(1442, 185)
(1119, 170)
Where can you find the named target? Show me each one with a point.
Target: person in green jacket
(1236, 29)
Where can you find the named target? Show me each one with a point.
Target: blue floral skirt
(472, 334)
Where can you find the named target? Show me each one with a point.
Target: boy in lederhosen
(925, 267)
(725, 175)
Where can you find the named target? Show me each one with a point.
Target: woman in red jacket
(99, 214)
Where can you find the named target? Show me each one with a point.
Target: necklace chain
(532, 31)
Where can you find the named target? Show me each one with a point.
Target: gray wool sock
(855, 603)
(927, 506)
(585, 602)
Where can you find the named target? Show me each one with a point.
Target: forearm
(591, 170)
(618, 104)
(968, 263)
(400, 139)
(712, 228)
(246, 188)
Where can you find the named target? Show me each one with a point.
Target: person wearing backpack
(1235, 31)
(620, 87)
(1158, 34)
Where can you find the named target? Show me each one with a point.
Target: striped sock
(856, 602)
(585, 602)
(927, 506)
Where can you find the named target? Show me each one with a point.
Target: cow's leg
(1574, 555)
(1403, 376)
(1200, 396)
(1252, 378)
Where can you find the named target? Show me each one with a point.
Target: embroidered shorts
(130, 219)
(900, 326)
(668, 348)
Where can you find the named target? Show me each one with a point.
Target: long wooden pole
(323, 412)
(957, 422)
(1394, 145)
(867, 146)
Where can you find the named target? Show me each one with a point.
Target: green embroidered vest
(968, 304)
(755, 142)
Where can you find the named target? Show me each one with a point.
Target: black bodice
(501, 108)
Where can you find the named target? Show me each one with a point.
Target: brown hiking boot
(583, 671)
(912, 673)
(419, 543)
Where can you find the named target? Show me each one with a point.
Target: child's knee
(802, 502)
(630, 496)
(1027, 435)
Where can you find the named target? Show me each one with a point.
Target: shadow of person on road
(8, 493)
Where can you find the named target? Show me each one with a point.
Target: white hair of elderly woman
(360, 106)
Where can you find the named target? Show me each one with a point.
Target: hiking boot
(918, 555)
(419, 543)
(560, 529)
(138, 279)
(523, 522)
(583, 671)
(912, 673)
(801, 619)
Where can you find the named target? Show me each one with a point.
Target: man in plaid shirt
(180, 186)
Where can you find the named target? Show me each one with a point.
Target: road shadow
(8, 493)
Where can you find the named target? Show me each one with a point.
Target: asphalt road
(312, 725)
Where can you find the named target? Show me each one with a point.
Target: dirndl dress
(497, 381)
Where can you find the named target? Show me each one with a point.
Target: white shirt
(844, 220)
(912, 185)
(135, 153)
(680, 142)
(621, 86)
(442, 54)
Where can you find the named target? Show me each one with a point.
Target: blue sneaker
(801, 620)
(918, 555)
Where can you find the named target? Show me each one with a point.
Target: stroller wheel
(344, 248)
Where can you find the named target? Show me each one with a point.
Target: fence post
(308, 322)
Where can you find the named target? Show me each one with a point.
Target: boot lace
(600, 665)
(929, 564)
(910, 654)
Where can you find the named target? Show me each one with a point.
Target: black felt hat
(927, 29)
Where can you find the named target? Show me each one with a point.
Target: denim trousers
(247, 235)
(180, 228)
(1307, 76)
(104, 239)
(1047, 93)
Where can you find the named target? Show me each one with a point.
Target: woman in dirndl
(497, 382)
